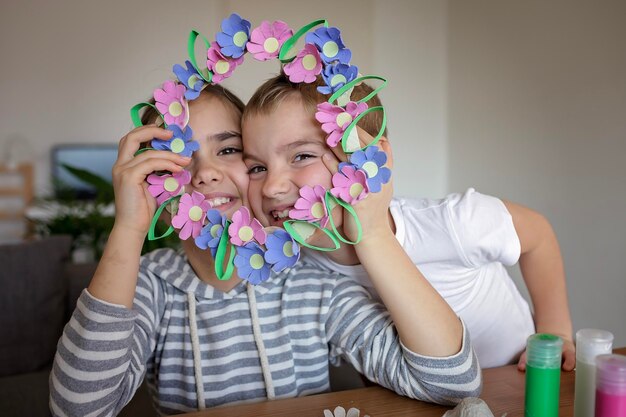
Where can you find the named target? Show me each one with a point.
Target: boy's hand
(134, 206)
(569, 357)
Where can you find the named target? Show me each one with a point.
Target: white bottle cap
(591, 343)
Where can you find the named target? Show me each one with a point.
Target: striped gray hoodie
(200, 347)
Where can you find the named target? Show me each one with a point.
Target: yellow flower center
(195, 213)
(355, 190)
(330, 49)
(245, 233)
(317, 210)
(343, 119)
(257, 261)
(170, 184)
(288, 249)
(309, 62)
(175, 109)
(338, 78)
(270, 45)
(215, 229)
(222, 67)
(370, 168)
(177, 145)
(240, 38)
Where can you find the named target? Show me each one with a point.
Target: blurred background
(522, 100)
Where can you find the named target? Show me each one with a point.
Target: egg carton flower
(234, 36)
(192, 209)
(190, 78)
(336, 76)
(371, 160)
(220, 65)
(244, 228)
(170, 102)
(341, 412)
(328, 42)
(311, 206)
(336, 119)
(180, 143)
(350, 184)
(250, 263)
(164, 187)
(282, 251)
(211, 233)
(266, 40)
(305, 67)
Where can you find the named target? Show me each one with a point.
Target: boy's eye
(256, 169)
(302, 157)
(229, 151)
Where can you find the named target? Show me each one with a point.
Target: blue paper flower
(251, 264)
(282, 251)
(328, 42)
(371, 161)
(212, 231)
(336, 76)
(234, 36)
(180, 143)
(190, 78)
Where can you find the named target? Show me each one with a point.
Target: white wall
(524, 100)
(537, 115)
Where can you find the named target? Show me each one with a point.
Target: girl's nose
(206, 174)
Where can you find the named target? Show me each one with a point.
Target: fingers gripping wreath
(242, 241)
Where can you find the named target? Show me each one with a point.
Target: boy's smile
(283, 152)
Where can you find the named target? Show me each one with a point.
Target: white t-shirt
(461, 244)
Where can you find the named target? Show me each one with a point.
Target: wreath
(242, 241)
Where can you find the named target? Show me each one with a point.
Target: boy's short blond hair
(275, 90)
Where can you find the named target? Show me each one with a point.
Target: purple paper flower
(234, 36)
(164, 187)
(282, 251)
(336, 76)
(336, 119)
(190, 78)
(266, 40)
(305, 67)
(192, 210)
(311, 206)
(251, 264)
(371, 161)
(328, 42)
(170, 102)
(221, 66)
(350, 184)
(180, 143)
(211, 232)
(244, 228)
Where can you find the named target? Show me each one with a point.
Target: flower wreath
(253, 249)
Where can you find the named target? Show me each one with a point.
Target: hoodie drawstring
(195, 344)
(260, 345)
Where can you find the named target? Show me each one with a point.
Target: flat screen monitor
(95, 158)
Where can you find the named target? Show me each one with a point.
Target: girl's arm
(425, 322)
(542, 269)
(116, 276)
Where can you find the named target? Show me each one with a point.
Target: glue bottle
(543, 375)
(611, 386)
(589, 344)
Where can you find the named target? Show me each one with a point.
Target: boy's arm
(542, 269)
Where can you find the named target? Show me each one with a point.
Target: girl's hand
(569, 357)
(373, 210)
(134, 206)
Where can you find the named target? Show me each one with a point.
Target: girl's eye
(229, 151)
(302, 157)
(256, 169)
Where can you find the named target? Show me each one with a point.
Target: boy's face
(217, 168)
(283, 152)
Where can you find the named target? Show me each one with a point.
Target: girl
(461, 243)
(202, 342)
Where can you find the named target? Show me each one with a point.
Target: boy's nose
(275, 185)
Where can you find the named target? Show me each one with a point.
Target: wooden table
(503, 391)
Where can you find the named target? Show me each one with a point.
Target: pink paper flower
(221, 66)
(192, 210)
(350, 184)
(244, 228)
(306, 66)
(336, 119)
(164, 187)
(311, 205)
(266, 40)
(170, 101)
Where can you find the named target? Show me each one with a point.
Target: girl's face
(217, 168)
(283, 152)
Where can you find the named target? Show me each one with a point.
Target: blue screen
(97, 159)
